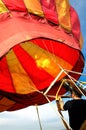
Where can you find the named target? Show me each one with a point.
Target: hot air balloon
(38, 40)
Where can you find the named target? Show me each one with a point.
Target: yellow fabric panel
(34, 6)
(3, 8)
(62, 7)
(21, 81)
(46, 60)
(5, 104)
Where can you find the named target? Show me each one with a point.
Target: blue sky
(27, 119)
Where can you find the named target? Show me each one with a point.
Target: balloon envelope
(36, 40)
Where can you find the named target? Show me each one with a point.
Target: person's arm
(60, 103)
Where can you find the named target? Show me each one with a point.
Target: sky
(27, 119)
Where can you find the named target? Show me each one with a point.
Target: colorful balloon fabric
(36, 39)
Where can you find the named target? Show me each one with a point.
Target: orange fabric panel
(3, 8)
(63, 11)
(5, 104)
(34, 6)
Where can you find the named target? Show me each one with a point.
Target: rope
(53, 82)
(38, 117)
(59, 89)
(74, 72)
(83, 82)
(72, 80)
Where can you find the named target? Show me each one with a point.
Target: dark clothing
(77, 112)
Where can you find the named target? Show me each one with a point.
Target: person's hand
(60, 103)
(58, 98)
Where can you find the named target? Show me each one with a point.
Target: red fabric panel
(49, 9)
(4, 16)
(5, 77)
(79, 66)
(17, 5)
(75, 23)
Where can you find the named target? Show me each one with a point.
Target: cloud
(27, 118)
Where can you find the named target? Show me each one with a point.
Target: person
(76, 110)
